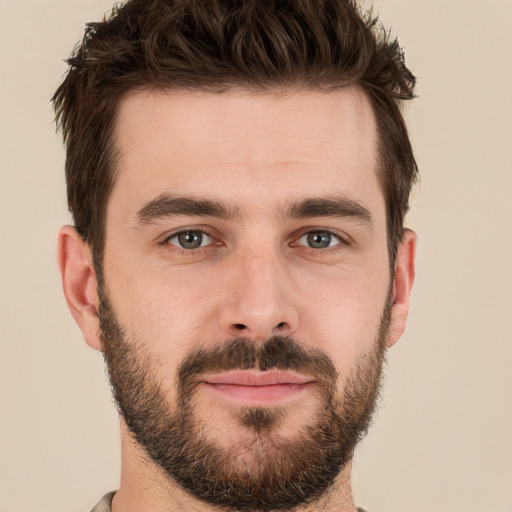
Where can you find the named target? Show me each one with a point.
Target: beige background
(442, 438)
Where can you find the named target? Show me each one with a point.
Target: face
(246, 302)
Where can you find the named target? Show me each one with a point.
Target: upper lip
(257, 378)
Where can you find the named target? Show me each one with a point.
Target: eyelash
(342, 241)
(341, 238)
(172, 247)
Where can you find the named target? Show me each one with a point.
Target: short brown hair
(216, 45)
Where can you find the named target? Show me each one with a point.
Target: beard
(260, 471)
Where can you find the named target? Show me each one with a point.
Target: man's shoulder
(105, 504)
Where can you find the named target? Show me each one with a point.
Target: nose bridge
(260, 304)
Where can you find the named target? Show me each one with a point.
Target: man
(238, 174)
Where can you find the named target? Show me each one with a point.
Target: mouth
(256, 388)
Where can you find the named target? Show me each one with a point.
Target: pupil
(190, 240)
(319, 240)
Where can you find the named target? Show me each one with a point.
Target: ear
(74, 259)
(402, 286)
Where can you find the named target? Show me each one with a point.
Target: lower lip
(258, 395)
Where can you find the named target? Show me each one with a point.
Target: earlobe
(402, 285)
(79, 283)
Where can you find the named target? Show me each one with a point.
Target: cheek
(161, 312)
(343, 317)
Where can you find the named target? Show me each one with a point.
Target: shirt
(105, 504)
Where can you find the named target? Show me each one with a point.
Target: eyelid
(333, 238)
(342, 237)
(205, 231)
(203, 234)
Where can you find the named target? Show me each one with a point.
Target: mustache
(278, 352)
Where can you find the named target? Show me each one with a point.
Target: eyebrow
(336, 206)
(168, 205)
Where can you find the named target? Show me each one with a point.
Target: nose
(259, 302)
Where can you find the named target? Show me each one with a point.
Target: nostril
(280, 325)
(240, 327)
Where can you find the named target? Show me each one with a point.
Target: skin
(257, 154)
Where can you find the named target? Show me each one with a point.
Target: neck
(144, 487)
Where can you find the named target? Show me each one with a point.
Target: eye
(319, 239)
(190, 239)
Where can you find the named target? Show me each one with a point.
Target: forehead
(245, 145)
